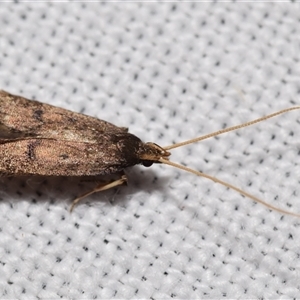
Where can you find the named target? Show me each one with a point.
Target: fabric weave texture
(169, 71)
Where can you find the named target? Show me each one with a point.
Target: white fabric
(169, 72)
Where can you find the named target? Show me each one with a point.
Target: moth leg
(100, 187)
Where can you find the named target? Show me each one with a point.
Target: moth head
(152, 153)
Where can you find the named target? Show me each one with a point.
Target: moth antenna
(228, 185)
(204, 137)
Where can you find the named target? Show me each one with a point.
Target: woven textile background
(168, 71)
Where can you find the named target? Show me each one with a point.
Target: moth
(44, 140)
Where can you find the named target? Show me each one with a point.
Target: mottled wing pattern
(41, 139)
(20, 117)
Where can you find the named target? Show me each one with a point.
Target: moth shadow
(51, 190)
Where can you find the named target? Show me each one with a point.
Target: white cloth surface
(168, 71)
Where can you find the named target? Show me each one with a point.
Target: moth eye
(147, 163)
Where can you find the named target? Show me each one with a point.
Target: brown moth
(41, 139)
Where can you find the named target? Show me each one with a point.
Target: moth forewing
(41, 139)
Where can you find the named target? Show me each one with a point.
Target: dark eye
(147, 163)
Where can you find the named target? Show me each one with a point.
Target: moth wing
(48, 157)
(23, 118)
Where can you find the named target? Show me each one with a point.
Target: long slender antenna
(228, 185)
(204, 137)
